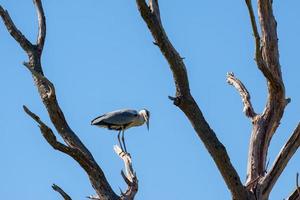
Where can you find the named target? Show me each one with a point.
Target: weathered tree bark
(73, 147)
(258, 184)
(265, 124)
(185, 101)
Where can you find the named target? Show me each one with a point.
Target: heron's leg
(120, 140)
(123, 140)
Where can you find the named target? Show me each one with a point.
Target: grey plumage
(121, 120)
(116, 120)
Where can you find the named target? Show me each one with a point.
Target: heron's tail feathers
(98, 121)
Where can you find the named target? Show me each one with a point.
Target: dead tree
(259, 183)
(73, 146)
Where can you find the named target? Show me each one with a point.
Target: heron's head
(146, 114)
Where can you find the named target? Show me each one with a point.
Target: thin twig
(48, 133)
(258, 56)
(14, 31)
(42, 24)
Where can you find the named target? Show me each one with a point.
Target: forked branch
(267, 58)
(48, 134)
(261, 63)
(14, 32)
(129, 177)
(73, 145)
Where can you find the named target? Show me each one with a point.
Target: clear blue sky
(100, 56)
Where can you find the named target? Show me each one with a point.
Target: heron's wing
(118, 117)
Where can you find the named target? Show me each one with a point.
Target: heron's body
(121, 120)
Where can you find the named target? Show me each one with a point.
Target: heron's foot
(121, 152)
(124, 153)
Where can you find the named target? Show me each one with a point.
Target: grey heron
(121, 120)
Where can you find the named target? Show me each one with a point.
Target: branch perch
(248, 109)
(129, 176)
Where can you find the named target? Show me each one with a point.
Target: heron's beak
(147, 122)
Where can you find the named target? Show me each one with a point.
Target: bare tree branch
(259, 182)
(74, 148)
(61, 192)
(248, 109)
(153, 5)
(186, 102)
(129, 176)
(258, 56)
(281, 161)
(42, 25)
(267, 57)
(48, 134)
(270, 52)
(258, 47)
(258, 51)
(14, 32)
